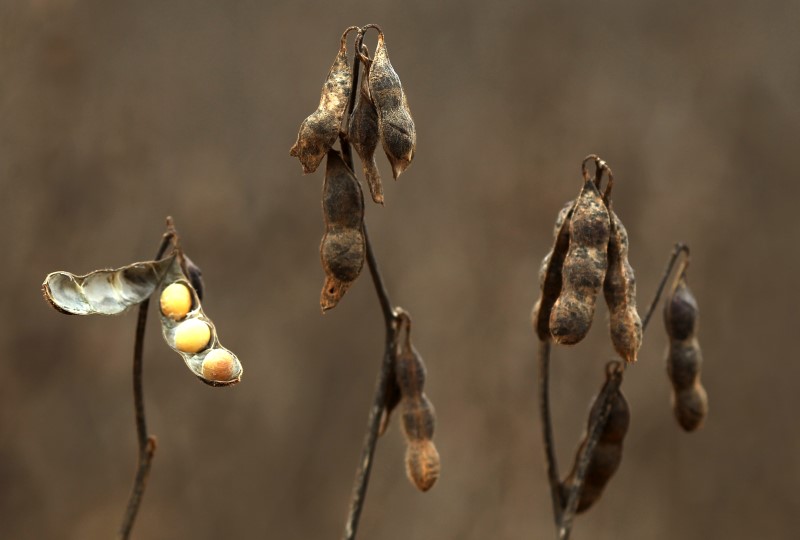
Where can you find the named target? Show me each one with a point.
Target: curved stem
(547, 429)
(379, 399)
(147, 443)
(679, 248)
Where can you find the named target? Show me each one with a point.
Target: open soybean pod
(190, 333)
(105, 292)
(363, 131)
(396, 126)
(584, 266)
(343, 247)
(319, 131)
(550, 273)
(619, 289)
(684, 357)
(607, 455)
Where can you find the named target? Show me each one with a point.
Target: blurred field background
(116, 114)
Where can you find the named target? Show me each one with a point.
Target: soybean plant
(184, 325)
(363, 115)
(590, 253)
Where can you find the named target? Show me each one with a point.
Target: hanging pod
(105, 292)
(607, 454)
(584, 266)
(319, 131)
(419, 418)
(684, 357)
(619, 289)
(395, 124)
(363, 131)
(550, 280)
(191, 334)
(343, 248)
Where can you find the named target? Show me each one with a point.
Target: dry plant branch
(626, 331)
(147, 443)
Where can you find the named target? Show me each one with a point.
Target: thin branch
(547, 429)
(564, 510)
(147, 443)
(378, 402)
(679, 248)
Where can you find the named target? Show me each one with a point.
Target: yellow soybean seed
(218, 365)
(176, 301)
(192, 336)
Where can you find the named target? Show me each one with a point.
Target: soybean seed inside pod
(343, 249)
(550, 273)
(319, 131)
(619, 289)
(192, 336)
(176, 301)
(584, 267)
(684, 357)
(396, 126)
(363, 134)
(607, 454)
(219, 366)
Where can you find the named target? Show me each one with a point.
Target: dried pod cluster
(343, 249)
(190, 333)
(381, 113)
(185, 327)
(607, 453)
(590, 253)
(684, 358)
(422, 458)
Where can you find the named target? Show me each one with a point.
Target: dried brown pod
(363, 131)
(320, 130)
(550, 273)
(105, 292)
(195, 276)
(684, 357)
(419, 418)
(343, 248)
(619, 289)
(395, 124)
(607, 453)
(584, 267)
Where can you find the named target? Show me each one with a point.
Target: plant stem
(378, 402)
(564, 511)
(547, 429)
(679, 248)
(147, 443)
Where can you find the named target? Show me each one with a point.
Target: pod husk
(105, 292)
(364, 135)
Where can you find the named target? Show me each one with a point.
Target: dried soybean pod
(363, 131)
(319, 131)
(395, 124)
(607, 453)
(195, 276)
(684, 357)
(584, 267)
(422, 459)
(619, 289)
(550, 273)
(343, 249)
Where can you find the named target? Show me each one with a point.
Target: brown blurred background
(115, 114)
